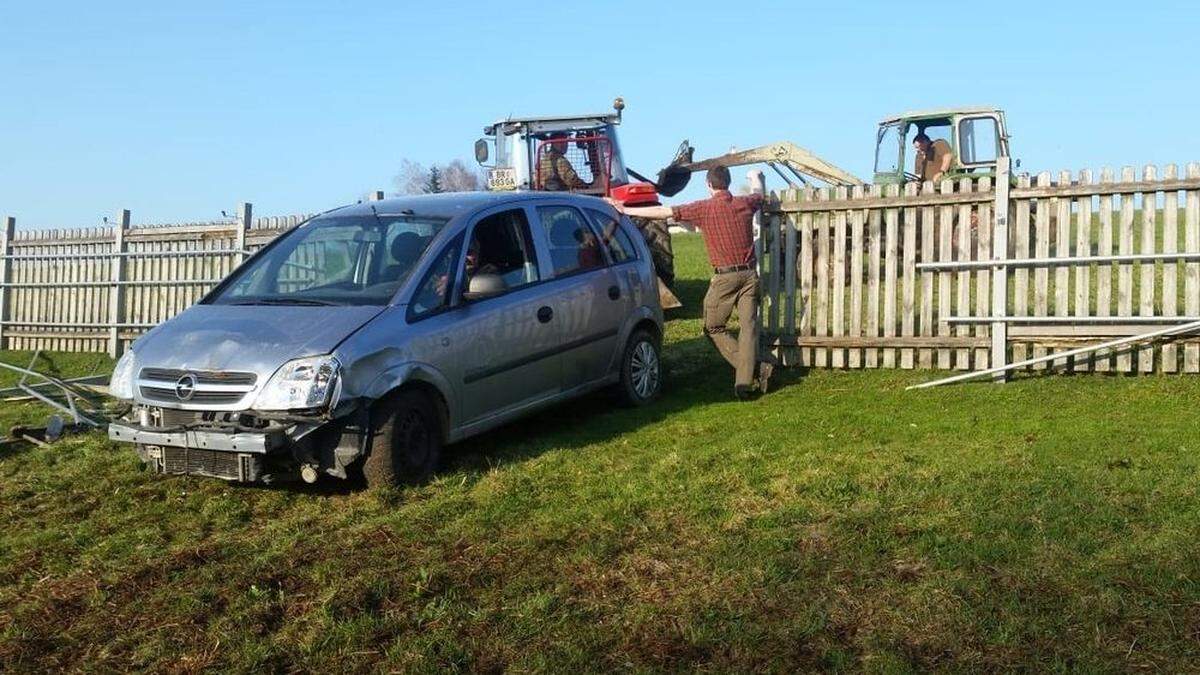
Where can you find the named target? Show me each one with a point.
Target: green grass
(839, 522)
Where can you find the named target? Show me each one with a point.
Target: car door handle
(614, 292)
(544, 314)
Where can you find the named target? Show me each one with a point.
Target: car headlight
(303, 383)
(120, 385)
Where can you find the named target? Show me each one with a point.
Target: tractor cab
(577, 153)
(977, 138)
(580, 153)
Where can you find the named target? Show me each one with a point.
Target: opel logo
(185, 387)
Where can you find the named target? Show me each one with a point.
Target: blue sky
(177, 112)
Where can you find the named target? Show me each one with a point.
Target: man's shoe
(765, 370)
(744, 392)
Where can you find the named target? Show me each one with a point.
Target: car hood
(256, 338)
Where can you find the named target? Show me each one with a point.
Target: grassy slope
(839, 522)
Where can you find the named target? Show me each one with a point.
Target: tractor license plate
(502, 179)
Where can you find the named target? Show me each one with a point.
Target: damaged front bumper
(235, 455)
(220, 445)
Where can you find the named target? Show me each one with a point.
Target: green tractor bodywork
(978, 136)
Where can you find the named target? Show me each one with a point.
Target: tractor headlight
(299, 384)
(120, 385)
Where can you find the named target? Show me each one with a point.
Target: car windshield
(334, 260)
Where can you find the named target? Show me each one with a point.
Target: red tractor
(581, 153)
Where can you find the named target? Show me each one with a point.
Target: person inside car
(589, 249)
(405, 249)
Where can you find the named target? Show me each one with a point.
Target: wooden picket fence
(97, 289)
(963, 275)
(973, 274)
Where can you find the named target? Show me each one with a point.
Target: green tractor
(977, 138)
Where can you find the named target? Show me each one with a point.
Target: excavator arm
(799, 161)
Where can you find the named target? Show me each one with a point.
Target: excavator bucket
(674, 177)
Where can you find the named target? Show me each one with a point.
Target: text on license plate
(502, 179)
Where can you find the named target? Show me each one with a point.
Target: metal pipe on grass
(1162, 332)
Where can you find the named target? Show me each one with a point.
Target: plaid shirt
(727, 224)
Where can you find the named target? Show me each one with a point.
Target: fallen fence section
(71, 399)
(987, 274)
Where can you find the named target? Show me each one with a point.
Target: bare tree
(412, 178)
(454, 176)
(458, 177)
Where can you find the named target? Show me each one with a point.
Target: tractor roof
(939, 112)
(555, 122)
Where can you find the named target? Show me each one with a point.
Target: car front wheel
(406, 441)
(641, 369)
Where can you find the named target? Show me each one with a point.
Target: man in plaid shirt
(727, 225)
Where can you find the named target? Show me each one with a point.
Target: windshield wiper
(307, 302)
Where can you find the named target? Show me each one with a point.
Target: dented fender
(392, 377)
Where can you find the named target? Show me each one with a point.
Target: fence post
(1000, 272)
(758, 184)
(246, 214)
(10, 229)
(116, 305)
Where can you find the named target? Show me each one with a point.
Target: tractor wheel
(658, 238)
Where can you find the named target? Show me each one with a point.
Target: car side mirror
(484, 286)
(481, 150)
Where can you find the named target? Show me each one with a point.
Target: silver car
(367, 338)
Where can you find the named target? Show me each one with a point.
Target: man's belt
(733, 268)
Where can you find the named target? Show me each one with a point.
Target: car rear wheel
(641, 369)
(406, 441)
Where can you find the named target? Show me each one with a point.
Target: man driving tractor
(934, 158)
(554, 170)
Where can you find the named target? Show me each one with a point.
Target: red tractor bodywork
(585, 153)
(635, 194)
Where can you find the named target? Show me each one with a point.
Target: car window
(614, 237)
(501, 253)
(433, 293)
(573, 244)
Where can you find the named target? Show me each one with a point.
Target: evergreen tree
(435, 180)
(453, 176)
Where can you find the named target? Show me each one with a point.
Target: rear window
(614, 237)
